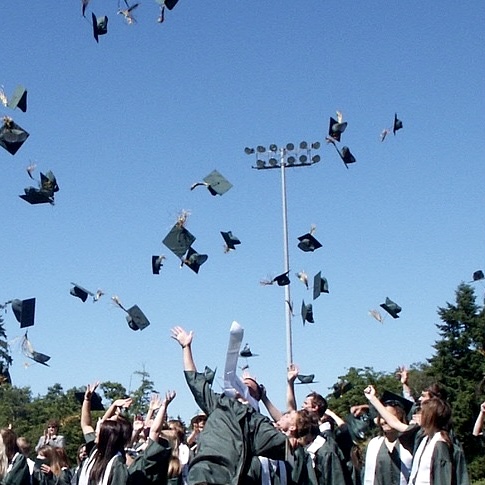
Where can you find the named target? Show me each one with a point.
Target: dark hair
(53, 423)
(111, 441)
(436, 390)
(10, 442)
(320, 402)
(178, 428)
(435, 415)
(306, 423)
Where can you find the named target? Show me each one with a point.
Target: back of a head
(10, 442)
(435, 415)
(319, 402)
(306, 424)
(111, 438)
(436, 390)
(24, 445)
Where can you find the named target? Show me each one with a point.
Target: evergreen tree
(141, 396)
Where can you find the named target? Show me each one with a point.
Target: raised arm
(290, 389)
(157, 424)
(184, 338)
(115, 406)
(86, 421)
(391, 420)
(478, 428)
(404, 377)
(273, 411)
(338, 420)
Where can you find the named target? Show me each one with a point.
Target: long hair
(3, 459)
(111, 441)
(174, 465)
(49, 453)
(10, 442)
(436, 416)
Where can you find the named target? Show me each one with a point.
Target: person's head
(48, 454)
(253, 388)
(315, 403)
(61, 457)
(434, 390)
(24, 445)
(52, 426)
(197, 423)
(81, 454)
(10, 442)
(111, 438)
(435, 415)
(299, 424)
(396, 410)
(178, 429)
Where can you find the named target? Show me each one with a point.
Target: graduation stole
(279, 465)
(371, 458)
(314, 446)
(421, 470)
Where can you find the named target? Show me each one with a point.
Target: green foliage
(112, 390)
(141, 396)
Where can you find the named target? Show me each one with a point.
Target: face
(425, 395)
(308, 404)
(287, 421)
(383, 424)
(82, 453)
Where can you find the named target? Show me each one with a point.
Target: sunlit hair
(10, 442)
(24, 445)
(49, 453)
(111, 441)
(436, 390)
(174, 465)
(3, 459)
(178, 428)
(435, 415)
(62, 457)
(306, 424)
(319, 401)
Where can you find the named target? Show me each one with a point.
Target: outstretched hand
(90, 388)
(292, 373)
(183, 337)
(370, 391)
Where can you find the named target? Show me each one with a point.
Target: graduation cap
(194, 260)
(336, 128)
(246, 352)
(346, 156)
(280, 280)
(157, 263)
(12, 136)
(179, 240)
(397, 124)
(96, 402)
(135, 317)
(230, 240)
(170, 4)
(340, 388)
(28, 351)
(307, 312)
(358, 427)
(100, 26)
(392, 308)
(45, 193)
(478, 275)
(320, 285)
(306, 379)
(18, 99)
(215, 183)
(84, 4)
(308, 243)
(24, 311)
(82, 293)
(388, 398)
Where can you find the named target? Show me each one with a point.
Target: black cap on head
(397, 124)
(478, 275)
(335, 129)
(320, 285)
(136, 318)
(230, 240)
(12, 136)
(96, 401)
(19, 99)
(392, 308)
(388, 398)
(194, 260)
(217, 183)
(100, 26)
(306, 379)
(307, 312)
(24, 311)
(308, 243)
(179, 240)
(80, 292)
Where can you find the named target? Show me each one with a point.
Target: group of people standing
(233, 443)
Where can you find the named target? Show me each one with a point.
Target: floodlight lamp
(303, 145)
(290, 147)
(303, 158)
(316, 145)
(315, 158)
(259, 163)
(261, 149)
(273, 148)
(248, 151)
(273, 162)
(291, 160)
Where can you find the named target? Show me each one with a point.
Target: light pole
(289, 157)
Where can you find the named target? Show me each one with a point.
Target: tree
(141, 396)
(112, 390)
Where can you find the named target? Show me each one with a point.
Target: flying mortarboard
(157, 263)
(179, 240)
(336, 128)
(18, 99)
(100, 26)
(388, 398)
(84, 4)
(194, 260)
(340, 388)
(397, 124)
(280, 280)
(82, 293)
(478, 275)
(392, 308)
(96, 402)
(306, 379)
(307, 312)
(35, 196)
(230, 240)
(216, 183)
(246, 352)
(24, 311)
(170, 3)
(308, 243)
(135, 317)
(346, 156)
(12, 136)
(28, 351)
(320, 285)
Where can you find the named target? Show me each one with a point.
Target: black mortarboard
(246, 352)
(335, 129)
(24, 311)
(35, 196)
(216, 183)
(28, 351)
(80, 292)
(390, 399)
(397, 124)
(40, 358)
(306, 379)
(179, 240)
(19, 99)
(194, 260)
(392, 308)
(478, 275)
(136, 318)
(282, 279)
(346, 156)
(358, 427)
(340, 388)
(230, 240)
(100, 26)
(96, 402)
(170, 3)
(157, 263)
(320, 285)
(308, 243)
(307, 312)
(12, 136)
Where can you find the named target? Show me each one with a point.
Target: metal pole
(289, 343)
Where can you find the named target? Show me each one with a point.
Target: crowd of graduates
(232, 442)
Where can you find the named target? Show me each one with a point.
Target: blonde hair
(174, 465)
(3, 459)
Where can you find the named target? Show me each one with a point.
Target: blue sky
(127, 125)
